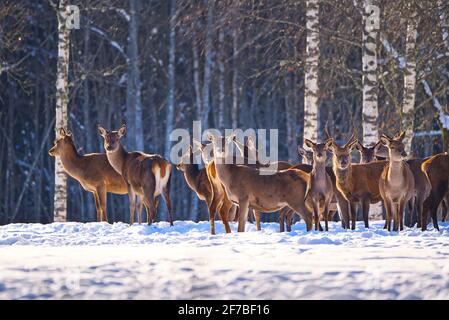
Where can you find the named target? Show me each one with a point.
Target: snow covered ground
(101, 261)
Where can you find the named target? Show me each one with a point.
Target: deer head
(187, 158)
(112, 138)
(318, 151)
(395, 146)
(61, 143)
(306, 155)
(368, 154)
(342, 155)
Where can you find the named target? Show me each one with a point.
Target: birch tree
(133, 98)
(208, 62)
(221, 80)
(62, 88)
(171, 77)
(410, 81)
(370, 110)
(311, 71)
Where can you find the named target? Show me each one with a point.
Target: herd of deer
(312, 190)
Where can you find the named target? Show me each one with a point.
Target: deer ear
(301, 151)
(309, 143)
(329, 143)
(401, 136)
(358, 146)
(102, 131)
(122, 131)
(210, 137)
(384, 140)
(199, 144)
(62, 132)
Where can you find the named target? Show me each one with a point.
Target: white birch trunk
(221, 81)
(196, 78)
(311, 71)
(410, 81)
(207, 63)
(171, 78)
(235, 75)
(62, 97)
(134, 101)
(370, 112)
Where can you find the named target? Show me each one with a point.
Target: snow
(103, 261)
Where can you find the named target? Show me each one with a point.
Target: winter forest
(372, 67)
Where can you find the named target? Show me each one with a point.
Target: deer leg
(166, 195)
(444, 207)
(224, 214)
(281, 220)
(149, 205)
(343, 211)
(232, 212)
(156, 205)
(353, 214)
(243, 213)
(97, 205)
(132, 204)
(212, 220)
(139, 209)
(257, 218)
(365, 209)
(326, 217)
(289, 220)
(102, 198)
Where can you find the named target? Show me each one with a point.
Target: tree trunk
(410, 81)
(62, 88)
(208, 63)
(370, 112)
(311, 71)
(235, 77)
(134, 102)
(171, 78)
(221, 80)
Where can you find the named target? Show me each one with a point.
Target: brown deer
(92, 171)
(198, 181)
(358, 183)
(246, 187)
(305, 155)
(397, 183)
(249, 150)
(436, 169)
(422, 186)
(320, 187)
(371, 153)
(147, 176)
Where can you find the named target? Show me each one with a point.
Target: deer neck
(72, 162)
(117, 158)
(319, 170)
(343, 176)
(191, 174)
(395, 171)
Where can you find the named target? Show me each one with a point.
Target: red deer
(422, 186)
(249, 150)
(246, 187)
(371, 153)
(306, 155)
(436, 169)
(397, 183)
(198, 181)
(147, 176)
(358, 183)
(92, 171)
(320, 187)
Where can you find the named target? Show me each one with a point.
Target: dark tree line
(158, 65)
